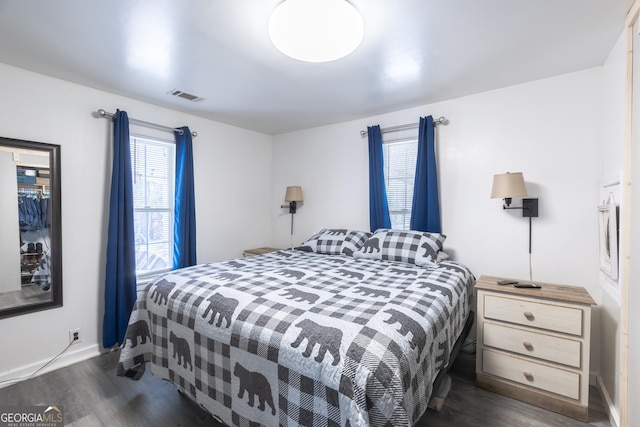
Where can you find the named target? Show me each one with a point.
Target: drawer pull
(529, 315)
(528, 345)
(528, 375)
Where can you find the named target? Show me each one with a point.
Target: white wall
(544, 129)
(547, 129)
(330, 163)
(634, 243)
(233, 195)
(612, 154)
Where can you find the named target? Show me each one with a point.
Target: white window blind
(399, 174)
(153, 172)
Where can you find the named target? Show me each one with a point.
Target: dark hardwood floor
(467, 405)
(91, 395)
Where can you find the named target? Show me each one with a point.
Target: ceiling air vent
(185, 95)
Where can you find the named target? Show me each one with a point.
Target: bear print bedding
(301, 338)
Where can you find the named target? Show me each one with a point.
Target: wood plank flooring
(31, 294)
(92, 396)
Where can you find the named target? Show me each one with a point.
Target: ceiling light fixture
(316, 30)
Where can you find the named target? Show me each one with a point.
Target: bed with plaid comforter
(297, 338)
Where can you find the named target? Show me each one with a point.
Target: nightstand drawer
(534, 314)
(535, 344)
(532, 374)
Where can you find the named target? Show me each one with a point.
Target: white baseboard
(612, 411)
(71, 356)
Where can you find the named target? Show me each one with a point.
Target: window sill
(147, 278)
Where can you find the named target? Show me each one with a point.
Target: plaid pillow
(412, 247)
(334, 241)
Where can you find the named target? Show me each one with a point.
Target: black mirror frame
(55, 229)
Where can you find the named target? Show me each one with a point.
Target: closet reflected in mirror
(30, 244)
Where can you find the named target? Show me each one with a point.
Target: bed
(348, 329)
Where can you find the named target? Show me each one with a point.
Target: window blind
(153, 170)
(399, 170)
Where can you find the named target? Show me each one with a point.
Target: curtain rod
(438, 121)
(103, 113)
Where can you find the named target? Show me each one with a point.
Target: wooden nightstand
(533, 344)
(258, 251)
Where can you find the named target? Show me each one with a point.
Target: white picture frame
(608, 237)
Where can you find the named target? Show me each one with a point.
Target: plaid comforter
(296, 338)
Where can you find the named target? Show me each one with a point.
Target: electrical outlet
(75, 336)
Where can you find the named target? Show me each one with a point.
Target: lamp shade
(316, 30)
(508, 185)
(294, 194)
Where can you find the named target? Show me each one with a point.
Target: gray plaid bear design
(336, 260)
(336, 232)
(368, 292)
(135, 330)
(442, 290)
(255, 384)
(220, 306)
(350, 274)
(347, 251)
(453, 267)
(235, 264)
(372, 245)
(443, 348)
(162, 291)
(227, 276)
(300, 296)
(402, 271)
(181, 351)
(291, 273)
(407, 324)
(429, 251)
(329, 339)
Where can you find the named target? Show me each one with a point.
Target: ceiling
(414, 52)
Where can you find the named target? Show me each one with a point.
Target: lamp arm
(529, 207)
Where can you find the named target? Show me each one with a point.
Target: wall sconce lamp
(509, 185)
(293, 196)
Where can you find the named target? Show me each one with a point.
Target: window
(399, 174)
(153, 174)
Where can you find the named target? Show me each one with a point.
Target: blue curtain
(425, 211)
(120, 281)
(378, 205)
(184, 246)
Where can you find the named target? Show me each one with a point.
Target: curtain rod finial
(100, 113)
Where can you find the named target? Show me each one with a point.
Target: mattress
(300, 338)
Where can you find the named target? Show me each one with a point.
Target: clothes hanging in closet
(33, 212)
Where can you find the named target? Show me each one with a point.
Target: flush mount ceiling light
(316, 30)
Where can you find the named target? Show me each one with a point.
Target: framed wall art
(608, 233)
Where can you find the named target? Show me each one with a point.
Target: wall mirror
(30, 227)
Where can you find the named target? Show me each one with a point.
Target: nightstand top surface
(260, 251)
(550, 291)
